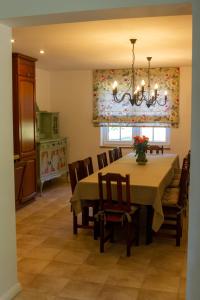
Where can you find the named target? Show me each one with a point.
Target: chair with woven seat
(173, 203)
(77, 171)
(102, 160)
(177, 176)
(117, 209)
(155, 149)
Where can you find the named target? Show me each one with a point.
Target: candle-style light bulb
(142, 82)
(114, 87)
(115, 84)
(156, 86)
(165, 93)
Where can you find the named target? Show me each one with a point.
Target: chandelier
(139, 94)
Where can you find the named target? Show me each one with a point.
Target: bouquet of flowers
(140, 146)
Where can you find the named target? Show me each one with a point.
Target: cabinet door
(27, 115)
(29, 183)
(19, 178)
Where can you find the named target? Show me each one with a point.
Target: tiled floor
(55, 265)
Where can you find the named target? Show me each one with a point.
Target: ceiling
(105, 44)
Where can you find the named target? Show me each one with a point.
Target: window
(124, 135)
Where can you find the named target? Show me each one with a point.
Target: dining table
(147, 182)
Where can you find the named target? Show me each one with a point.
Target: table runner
(147, 182)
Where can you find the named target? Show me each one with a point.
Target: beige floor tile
(156, 295)
(162, 283)
(42, 253)
(60, 269)
(75, 256)
(54, 242)
(48, 284)
(32, 265)
(110, 292)
(30, 240)
(91, 273)
(30, 294)
(169, 261)
(25, 278)
(81, 290)
(125, 278)
(102, 259)
(182, 288)
(54, 264)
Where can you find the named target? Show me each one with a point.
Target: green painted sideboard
(51, 148)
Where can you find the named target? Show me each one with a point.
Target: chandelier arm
(117, 100)
(161, 104)
(138, 100)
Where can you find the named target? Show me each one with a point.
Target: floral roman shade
(106, 111)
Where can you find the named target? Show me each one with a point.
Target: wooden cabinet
(24, 120)
(19, 177)
(29, 182)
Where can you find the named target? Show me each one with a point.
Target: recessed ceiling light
(41, 51)
(12, 41)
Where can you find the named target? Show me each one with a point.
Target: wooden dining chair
(77, 172)
(174, 201)
(155, 149)
(117, 209)
(102, 160)
(87, 166)
(119, 149)
(113, 154)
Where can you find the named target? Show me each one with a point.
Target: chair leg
(149, 224)
(75, 223)
(137, 228)
(101, 236)
(128, 239)
(96, 223)
(85, 216)
(178, 230)
(112, 233)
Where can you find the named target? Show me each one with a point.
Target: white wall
(181, 136)
(8, 275)
(71, 95)
(43, 89)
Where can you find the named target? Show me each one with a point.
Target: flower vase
(141, 158)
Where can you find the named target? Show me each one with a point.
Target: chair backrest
(111, 181)
(75, 173)
(19, 177)
(102, 160)
(183, 186)
(155, 148)
(111, 154)
(115, 154)
(119, 152)
(87, 166)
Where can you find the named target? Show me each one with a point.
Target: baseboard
(12, 292)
